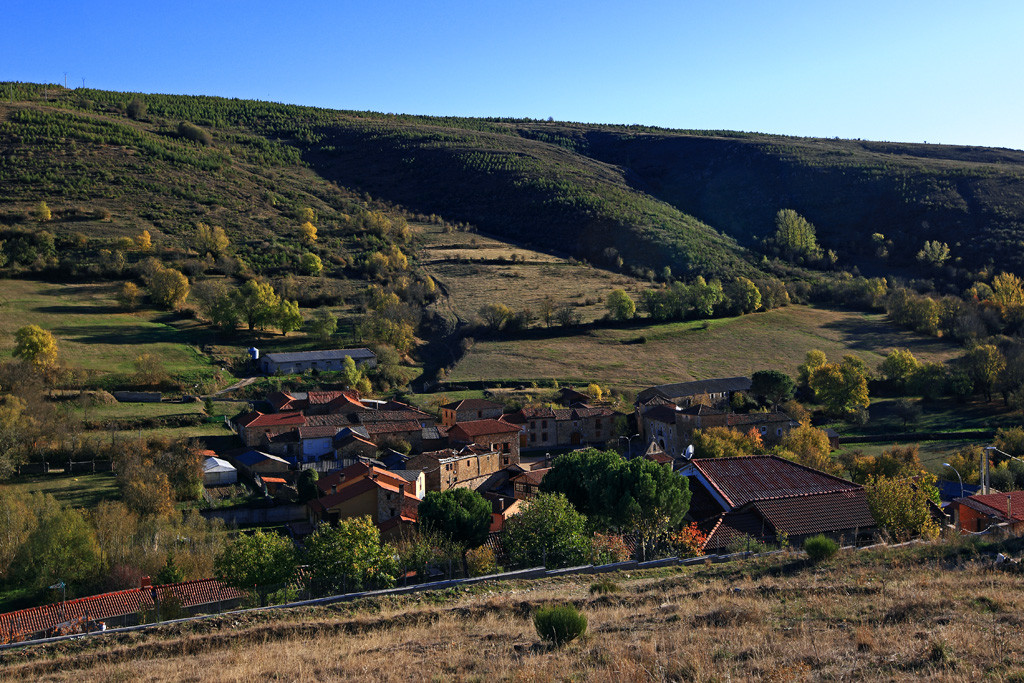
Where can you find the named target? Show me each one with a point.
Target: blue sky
(936, 71)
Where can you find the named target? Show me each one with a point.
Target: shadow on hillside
(80, 309)
(878, 335)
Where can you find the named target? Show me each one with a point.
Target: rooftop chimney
(145, 582)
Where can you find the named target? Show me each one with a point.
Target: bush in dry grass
(604, 586)
(559, 624)
(820, 548)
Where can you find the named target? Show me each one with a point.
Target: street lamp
(946, 464)
(629, 444)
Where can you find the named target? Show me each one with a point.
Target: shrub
(191, 131)
(559, 624)
(481, 562)
(604, 586)
(820, 548)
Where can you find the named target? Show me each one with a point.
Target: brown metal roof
(764, 477)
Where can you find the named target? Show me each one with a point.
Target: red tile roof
(763, 477)
(321, 397)
(469, 431)
(25, 622)
(532, 477)
(258, 419)
(995, 504)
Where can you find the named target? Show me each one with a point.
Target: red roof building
(115, 609)
(979, 512)
(763, 497)
(496, 435)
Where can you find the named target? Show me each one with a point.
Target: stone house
(473, 466)
(365, 490)
(671, 427)
(295, 362)
(469, 409)
(496, 435)
(580, 425)
(715, 392)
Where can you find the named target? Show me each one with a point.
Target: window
(544, 424)
(597, 424)
(391, 512)
(533, 437)
(764, 430)
(544, 436)
(778, 432)
(533, 424)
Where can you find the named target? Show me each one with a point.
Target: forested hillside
(622, 197)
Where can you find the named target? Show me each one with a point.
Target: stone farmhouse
(470, 409)
(580, 425)
(671, 426)
(295, 362)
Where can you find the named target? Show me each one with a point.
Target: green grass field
(94, 334)
(74, 490)
(676, 352)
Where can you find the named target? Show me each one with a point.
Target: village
(321, 458)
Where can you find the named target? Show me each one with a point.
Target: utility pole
(65, 80)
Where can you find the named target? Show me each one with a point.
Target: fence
(66, 467)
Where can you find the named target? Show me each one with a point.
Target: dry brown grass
(523, 284)
(872, 616)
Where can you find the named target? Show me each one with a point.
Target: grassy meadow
(82, 490)
(939, 612)
(95, 334)
(677, 352)
(475, 270)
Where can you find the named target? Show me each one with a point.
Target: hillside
(689, 200)
(939, 612)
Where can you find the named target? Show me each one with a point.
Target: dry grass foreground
(929, 613)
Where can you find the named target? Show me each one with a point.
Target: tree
(934, 253)
(351, 375)
(307, 215)
(62, 547)
(307, 232)
(149, 370)
(746, 297)
(841, 387)
(812, 361)
(548, 531)
(899, 366)
(168, 288)
(144, 241)
(620, 305)
(725, 442)
(901, 505)
(1008, 290)
(461, 515)
(257, 303)
(772, 386)
(495, 315)
(614, 493)
(984, 363)
(795, 236)
(907, 409)
(349, 557)
(16, 523)
(170, 572)
(703, 296)
(211, 240)
(42, 212)
(35, 346)
(323, 324)
(136, 109)
(288, 316)
(259, 561)
(129, 296)
(310, 264)
(894, 462)
(810, 447)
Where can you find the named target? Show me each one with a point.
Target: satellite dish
(689, 451)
